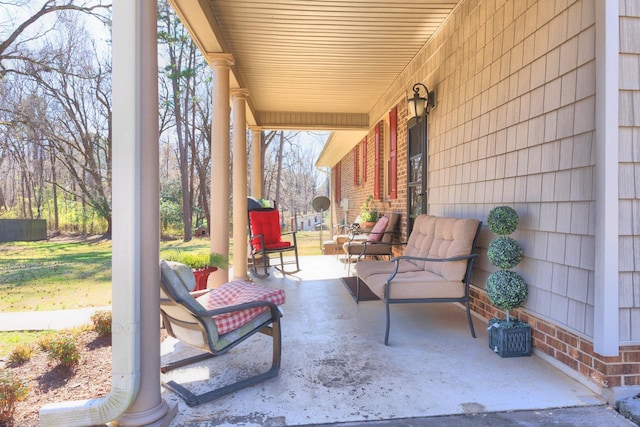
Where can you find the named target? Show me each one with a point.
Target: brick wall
(357, 194)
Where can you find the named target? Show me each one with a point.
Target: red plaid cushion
(238, 292)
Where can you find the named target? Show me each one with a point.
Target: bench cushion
(442, 237)
(365, 269)
(416, 284)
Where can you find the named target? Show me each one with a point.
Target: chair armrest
(260, 237)
(375, 242)
(416, 258)
(295, 239)
(380, 233)
(367, 243)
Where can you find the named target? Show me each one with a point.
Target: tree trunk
(56, 216)
(279, 172)
(109, 227)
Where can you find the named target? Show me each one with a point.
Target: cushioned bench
(377, 243)
(435, 266)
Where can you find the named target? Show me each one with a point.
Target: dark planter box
(510, 341)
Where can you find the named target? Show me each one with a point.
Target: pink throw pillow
(378, 230)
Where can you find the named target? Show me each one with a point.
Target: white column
(256, 162)
(138, 208)
(134, 399)
(220, 162)
(606, 311)
(239, 114)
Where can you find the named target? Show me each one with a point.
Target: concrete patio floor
(336, 368)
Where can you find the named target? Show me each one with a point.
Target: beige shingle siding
(514, 124)
(629, 170)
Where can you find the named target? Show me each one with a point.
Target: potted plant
(201, 263)
(506, 289)
(368, 213)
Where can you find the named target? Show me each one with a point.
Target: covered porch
(483, 96)
(335, 367)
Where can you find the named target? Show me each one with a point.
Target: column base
(160, 416)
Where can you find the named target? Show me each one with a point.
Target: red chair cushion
(266, 223)
(238, 292)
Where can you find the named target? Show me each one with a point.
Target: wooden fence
(22, 230)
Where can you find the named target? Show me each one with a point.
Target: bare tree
(19, 35)
(77, 126)
(55, 116)
(291, 177)
(186, 114)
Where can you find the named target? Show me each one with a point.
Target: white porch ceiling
(311, 64)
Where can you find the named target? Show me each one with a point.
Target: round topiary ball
(506, 289)
(502, 220)
(504, 252)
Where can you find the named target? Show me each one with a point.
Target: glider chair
(216, 321)
(379, 241)
(266, 240)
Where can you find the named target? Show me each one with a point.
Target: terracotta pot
(366, 226)
(202, 275)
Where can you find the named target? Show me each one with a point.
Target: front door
(417, 170)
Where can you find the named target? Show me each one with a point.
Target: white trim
(606, 310)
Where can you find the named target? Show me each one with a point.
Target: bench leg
(386, 332)
(473, 332)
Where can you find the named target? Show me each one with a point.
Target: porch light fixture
(419, 105)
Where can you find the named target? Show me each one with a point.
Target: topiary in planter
(502, 220)
(506, 289)
(504, 252)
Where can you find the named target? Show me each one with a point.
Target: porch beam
(300, 120)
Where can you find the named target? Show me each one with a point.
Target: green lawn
(56, 275)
